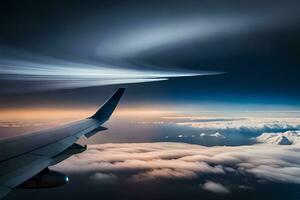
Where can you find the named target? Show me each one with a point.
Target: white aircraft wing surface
(24, 159)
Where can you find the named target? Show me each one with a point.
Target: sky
(211, 108)
(52, 45)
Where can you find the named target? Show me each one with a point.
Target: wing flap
(90, 134)
(55, 148)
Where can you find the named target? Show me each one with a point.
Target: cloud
(164, 34)
(216, 135)
(285, 138)
(37, 73)
(198, 24)
(245, 187)
(157, 161)
(158, 174)
(19, 124)
(101, 177)
(235, 125)
(250, 124)
(215, 187)
(289, 174)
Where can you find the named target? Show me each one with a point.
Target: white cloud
(53, 74)
(166, 173)
(249, 124)
(105, 178)
(215, 187)
(21, 124)
(285, 138)
(242, 123)
(288, 174)
(146, 161)
(216, 134)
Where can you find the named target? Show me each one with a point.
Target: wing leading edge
(25, 156)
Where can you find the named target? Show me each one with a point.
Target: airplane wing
(24, 159)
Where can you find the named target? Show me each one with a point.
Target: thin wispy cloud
(43, 73)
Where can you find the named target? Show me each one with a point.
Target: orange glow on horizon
(77, 113)
(42, 113)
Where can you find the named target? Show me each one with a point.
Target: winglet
(104, 113)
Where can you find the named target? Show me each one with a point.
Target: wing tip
(106, 110)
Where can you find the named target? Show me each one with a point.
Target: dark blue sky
(256, 43)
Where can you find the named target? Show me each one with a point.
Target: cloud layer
(242, 123)
(234, 125)
(144, 162)
(285, 138)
